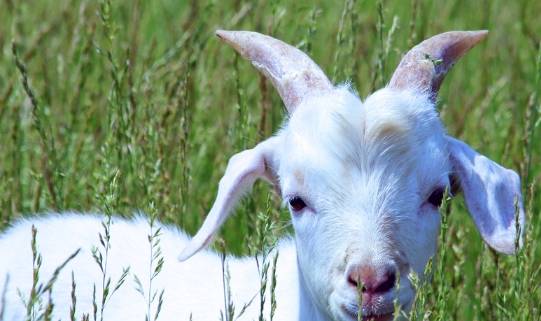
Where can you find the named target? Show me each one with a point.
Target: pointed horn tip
(472, 38)
(220, 33)
(467, 38)
(232, 39)
(230, 35)
(224, 35)
(479, 34)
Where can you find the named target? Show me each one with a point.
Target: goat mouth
(352, 312)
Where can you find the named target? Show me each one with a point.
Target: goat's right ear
(242, 171)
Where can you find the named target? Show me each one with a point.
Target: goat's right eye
(436, 198)
(297, 204)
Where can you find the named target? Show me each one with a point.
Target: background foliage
(135, 105)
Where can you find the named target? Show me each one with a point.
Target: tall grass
(39, 304)
(120, 106)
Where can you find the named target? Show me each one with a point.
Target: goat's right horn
(291, 71)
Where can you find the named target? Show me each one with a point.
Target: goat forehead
(338, 146)
(411, 114)
(339, 128)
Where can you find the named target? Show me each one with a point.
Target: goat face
(364, 180)
(363, 183)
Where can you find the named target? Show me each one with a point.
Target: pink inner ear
(492, 194)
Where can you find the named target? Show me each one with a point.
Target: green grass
(135, 105)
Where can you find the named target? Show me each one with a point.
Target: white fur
(191, 288)
(367, 170)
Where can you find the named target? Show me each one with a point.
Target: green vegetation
(135, 105)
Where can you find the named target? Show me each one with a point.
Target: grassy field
(135, 105)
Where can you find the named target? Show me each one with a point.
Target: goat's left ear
(242, 171)
(492, 194)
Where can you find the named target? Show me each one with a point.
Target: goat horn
(290, 70)
(425, 65)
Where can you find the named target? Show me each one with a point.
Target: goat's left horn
(425, 65)
(290, 70)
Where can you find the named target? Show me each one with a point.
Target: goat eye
(436, 197)
(297, 204)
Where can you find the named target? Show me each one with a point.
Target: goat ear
(492, 194)
(242, 171)
(423, 68)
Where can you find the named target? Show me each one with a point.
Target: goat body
(192, 288)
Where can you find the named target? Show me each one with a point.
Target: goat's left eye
(436, 197)
(297, 204)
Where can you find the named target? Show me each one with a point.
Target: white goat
(363, 181)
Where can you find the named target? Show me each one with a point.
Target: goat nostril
(387, 284)
(366, 280)
(352, 281)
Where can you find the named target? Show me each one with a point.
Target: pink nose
(373, 281)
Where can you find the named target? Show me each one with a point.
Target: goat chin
(192, 288)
